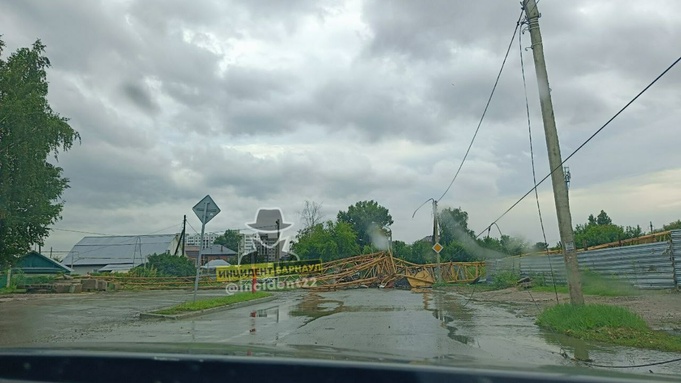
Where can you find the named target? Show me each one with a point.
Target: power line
(586, 142)
(529, 131)
(534, 172)
(484, 112)
(80, 231)
(190, 225)
(165, 228)
(109, 234)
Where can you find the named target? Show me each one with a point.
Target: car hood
(319, 353)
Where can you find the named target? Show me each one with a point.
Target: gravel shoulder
(660, 309)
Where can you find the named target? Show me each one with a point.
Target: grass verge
(11, 290)
(210, 303)
(608, 324)
(603, 291)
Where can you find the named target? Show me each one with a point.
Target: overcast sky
(271, 103)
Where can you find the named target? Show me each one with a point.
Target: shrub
(505, 279)
(165, 265)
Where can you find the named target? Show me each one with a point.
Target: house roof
(36, 263)
(218, 250)
(117, 268)
(215, 263)
(111, 250)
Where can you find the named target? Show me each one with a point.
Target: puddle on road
(501, 330)
(315, 306)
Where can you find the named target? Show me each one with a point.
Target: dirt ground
(660, 309)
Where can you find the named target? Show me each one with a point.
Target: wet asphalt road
(416, 325)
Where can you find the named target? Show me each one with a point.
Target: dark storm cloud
(140, 97)
(436, 30)
(171, 106)
(107, 176)
(265, 178)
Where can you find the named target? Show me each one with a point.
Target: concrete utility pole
(277, 254)
(560, 192)
(436, 239)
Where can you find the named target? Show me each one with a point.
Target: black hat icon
(266, 221)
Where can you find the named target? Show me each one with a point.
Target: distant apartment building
(208, 239)
(248, 244)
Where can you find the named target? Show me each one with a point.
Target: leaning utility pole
(560, 193)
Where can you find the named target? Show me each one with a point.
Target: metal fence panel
(646, 266)
(676, 256)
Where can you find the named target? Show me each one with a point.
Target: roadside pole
(560, 193)
(254, 281)
(184, 235)
(436, 241)
(206, 209)
(198, 258)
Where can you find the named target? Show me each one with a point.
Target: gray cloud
(140, 97)
(270, 103)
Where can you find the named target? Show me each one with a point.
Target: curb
(150, 315)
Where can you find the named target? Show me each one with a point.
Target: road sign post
(437, 248)
(206, 209)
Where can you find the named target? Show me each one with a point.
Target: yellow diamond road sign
(437, 247)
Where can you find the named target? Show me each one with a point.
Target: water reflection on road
(505, 330)
(417, 325)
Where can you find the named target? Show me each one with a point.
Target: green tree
(401, 250)
(167, 265)
(672, 225)
(506, 244)
(454, 225)
(422, 252)
(326, 241)
(633, 232)
(603, 219)
(230, 239)
(601, 230)
(456, 252)
(30, 132)
(367, 219)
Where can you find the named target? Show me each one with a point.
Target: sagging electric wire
(80, 231)
(484, 112)
(534, 172)
(584, 143)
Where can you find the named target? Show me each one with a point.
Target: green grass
(594, 284)
(11, 290)
(204, 304)
(505, 279)
(609, 324)
(603, 291)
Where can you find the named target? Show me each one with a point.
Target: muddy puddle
(504, 330)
